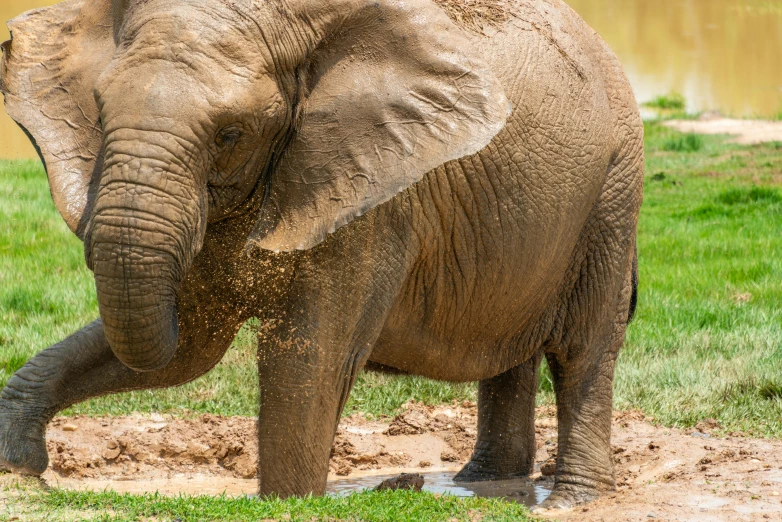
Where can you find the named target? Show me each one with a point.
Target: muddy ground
(663, 474)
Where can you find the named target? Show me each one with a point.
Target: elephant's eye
(228, 137)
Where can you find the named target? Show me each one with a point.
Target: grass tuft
(670, 102)
(686, 143)
(12, 363)
(770, 390)
(735, 202)
(745, 196)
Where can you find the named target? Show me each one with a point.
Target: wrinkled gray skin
(484, 186)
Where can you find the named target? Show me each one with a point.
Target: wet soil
(667, 474)
(746, 132)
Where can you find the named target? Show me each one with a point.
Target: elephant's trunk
(147, 226)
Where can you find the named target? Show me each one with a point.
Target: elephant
(442, 188)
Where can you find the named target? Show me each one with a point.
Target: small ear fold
(392, 90)
(47, 76)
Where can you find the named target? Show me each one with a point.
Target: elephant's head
(155, 118)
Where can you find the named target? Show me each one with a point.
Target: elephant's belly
(472, 308)
(430, 361)
(470, 351)
(443, 361)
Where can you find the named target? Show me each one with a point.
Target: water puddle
(523, 491)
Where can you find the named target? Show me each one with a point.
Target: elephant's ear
(47, 76)
(390, 90)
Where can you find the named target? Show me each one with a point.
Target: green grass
(685, 143)
(670, 102)
(45, 288)
(707, 339)
(31, 503)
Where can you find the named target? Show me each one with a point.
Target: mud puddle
(697, 474)
(523, 491)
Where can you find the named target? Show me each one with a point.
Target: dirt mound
(84, 447)
(662, 473)
(151, 447)
(421, 436)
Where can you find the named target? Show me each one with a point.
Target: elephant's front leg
(506, 425)
(81, 367)
(305, 378)
(333, 313)
(34, 394)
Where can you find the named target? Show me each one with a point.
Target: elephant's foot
(22, 444)
(567, 496)
(479, 471)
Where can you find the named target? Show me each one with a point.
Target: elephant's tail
(634, 281)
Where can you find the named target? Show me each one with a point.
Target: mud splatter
(477, 15)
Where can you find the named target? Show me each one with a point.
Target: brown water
(720, 54)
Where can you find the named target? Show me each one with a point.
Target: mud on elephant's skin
(376, 182)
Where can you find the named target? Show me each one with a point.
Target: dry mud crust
(477, 15)
(662, 474)
(746, 132)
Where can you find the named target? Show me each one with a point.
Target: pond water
(721, 55)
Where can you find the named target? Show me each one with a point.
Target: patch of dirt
(665, 474)
(139, 447)
(151, 447)
(746, 132)
(670, 474)
(420, 438)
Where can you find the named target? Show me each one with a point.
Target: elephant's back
(543, 50)
(497, 231)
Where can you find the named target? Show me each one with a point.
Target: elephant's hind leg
(583, 386)
(586, 340)
(506, 426)
(81, 367)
